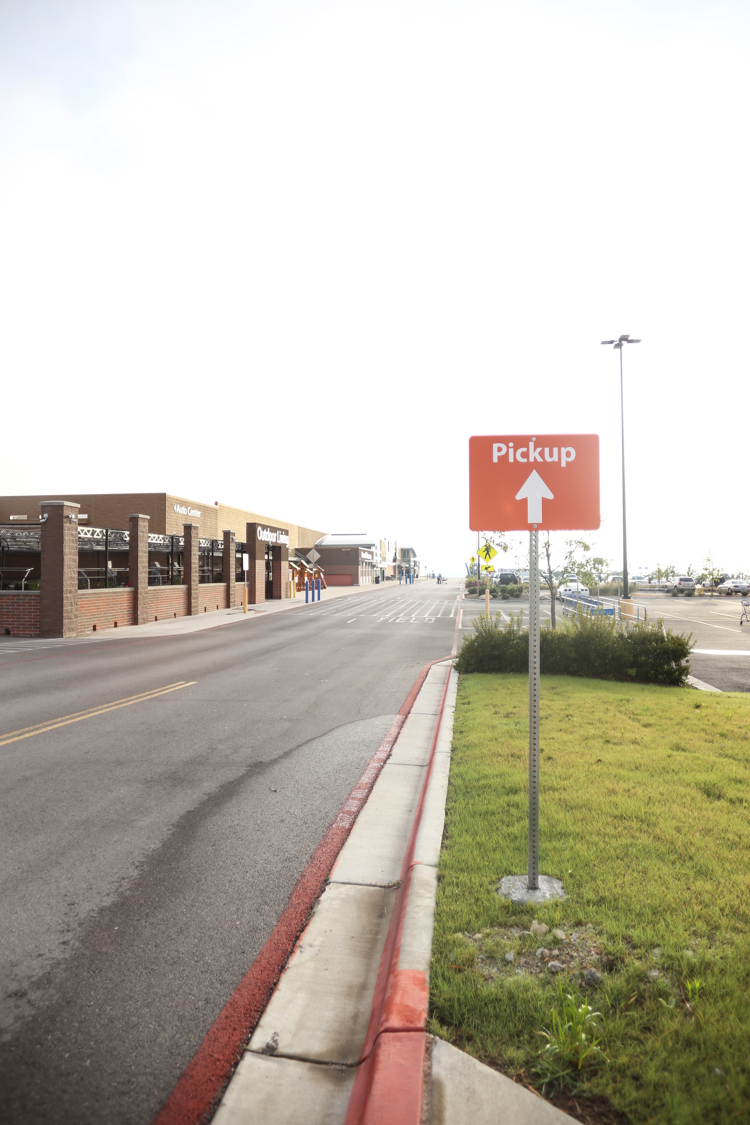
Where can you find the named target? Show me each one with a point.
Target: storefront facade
(68, 567)
(349, 560)
(267, 548)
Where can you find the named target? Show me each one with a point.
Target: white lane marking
(698, 621)
(722, 651)
(399, 608)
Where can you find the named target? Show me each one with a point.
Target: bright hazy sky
(292, 255)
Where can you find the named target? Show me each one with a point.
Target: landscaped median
(632, 1004)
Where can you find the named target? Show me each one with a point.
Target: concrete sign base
(516, 888)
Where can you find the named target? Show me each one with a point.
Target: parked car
(683, 584)
(572, 587)
(507, 578)
(734, 586)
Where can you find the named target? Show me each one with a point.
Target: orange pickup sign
(520, 482)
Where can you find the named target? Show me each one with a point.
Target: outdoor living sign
(273, 535)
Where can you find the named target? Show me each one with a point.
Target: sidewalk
(343, 1039)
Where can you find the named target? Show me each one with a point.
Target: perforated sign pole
(520, 482)
(534, 598)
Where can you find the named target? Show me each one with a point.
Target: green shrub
(595, 647)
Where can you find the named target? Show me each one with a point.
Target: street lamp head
(617, 344)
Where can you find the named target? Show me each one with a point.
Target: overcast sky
(292, 255)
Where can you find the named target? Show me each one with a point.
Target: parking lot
(721, 656)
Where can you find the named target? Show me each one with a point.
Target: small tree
(711, 571)
(577, 560)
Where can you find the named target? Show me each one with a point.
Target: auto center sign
(526, 482)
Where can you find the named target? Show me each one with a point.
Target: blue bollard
(318, 581)
(307, 591)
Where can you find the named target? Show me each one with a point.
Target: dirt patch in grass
(645, 816)
(539, 952)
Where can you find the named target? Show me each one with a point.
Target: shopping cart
(745, 615)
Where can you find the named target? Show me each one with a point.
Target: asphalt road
(149, 847)
(721, 656)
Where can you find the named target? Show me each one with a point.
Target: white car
(575, 588)
(733, 586)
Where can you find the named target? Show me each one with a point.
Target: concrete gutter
(343, 1039)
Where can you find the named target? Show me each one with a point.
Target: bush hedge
(596, 647)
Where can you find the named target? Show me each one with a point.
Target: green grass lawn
(645, 807)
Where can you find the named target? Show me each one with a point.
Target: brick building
(83, 562)
(353, 559)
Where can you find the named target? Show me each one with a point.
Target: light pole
(619, 344)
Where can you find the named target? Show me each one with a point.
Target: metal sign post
(534, 598)
(508, 493)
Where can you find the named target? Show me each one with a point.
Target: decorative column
(191, 532)
(59, 569)
(280, 569)
(256, 574)
(138, 566)
(229, 566)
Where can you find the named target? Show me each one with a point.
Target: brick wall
(212, 596)
(238, 595)
(167, 601)
(256, 581)
(19, 613)
(104, 609)
(109, 609)
(335, 574)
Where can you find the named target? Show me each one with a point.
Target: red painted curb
(388, 1084)
(395, 1094)
(197, 1090)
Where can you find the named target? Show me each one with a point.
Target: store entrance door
(269, 572)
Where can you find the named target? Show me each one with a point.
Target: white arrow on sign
(533, 491)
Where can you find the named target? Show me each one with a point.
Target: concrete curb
(700, 685)
(388, 1086)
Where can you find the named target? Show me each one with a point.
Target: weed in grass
(573, 1041)
(693, 989)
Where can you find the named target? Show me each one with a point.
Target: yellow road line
(88, 710)
(91, 712)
